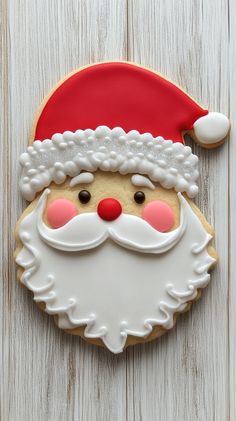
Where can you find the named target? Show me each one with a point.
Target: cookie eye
(139, 197)
(84, 196)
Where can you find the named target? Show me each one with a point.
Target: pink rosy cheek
(60, 212)
(159, 215)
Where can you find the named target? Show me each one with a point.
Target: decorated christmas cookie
(112, 244)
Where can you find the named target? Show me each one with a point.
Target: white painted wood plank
(185, 374)
(50, 375)
(3, 233)
(232, 214)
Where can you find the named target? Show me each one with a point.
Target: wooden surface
(190, 373)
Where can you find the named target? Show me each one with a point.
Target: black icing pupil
(139, 197)
(84, 196)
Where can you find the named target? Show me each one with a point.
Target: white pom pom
(212, 128)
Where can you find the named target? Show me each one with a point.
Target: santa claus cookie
(111, 244)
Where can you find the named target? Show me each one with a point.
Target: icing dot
(139, 197)
(109, 209)
(62, 145)
(117, 131)
(60, 212)
(57, 137)
(159, 215)
(84, 196)
(193, 191)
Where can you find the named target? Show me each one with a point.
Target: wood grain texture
(232, 214)
(49, 375)
(189, 43)
(190, 373)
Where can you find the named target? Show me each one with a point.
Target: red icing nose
(109, 209)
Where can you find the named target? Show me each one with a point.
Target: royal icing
(159, 215)
(60, 212)
(118, 94)
(84, 177)
(141, 181)
(211, 128)
(109, 209)
(171, 164)
(140, 279)
(113, 273)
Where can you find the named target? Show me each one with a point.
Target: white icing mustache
(87, 231)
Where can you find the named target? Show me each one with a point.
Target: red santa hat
(118, 116)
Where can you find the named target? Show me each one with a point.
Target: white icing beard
(118, 278)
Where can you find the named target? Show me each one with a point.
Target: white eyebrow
(84, 177)
(141, 181)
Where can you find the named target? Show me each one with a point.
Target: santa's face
(87, 190)
(116, 253)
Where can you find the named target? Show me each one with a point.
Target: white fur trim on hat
(212, 128)
(171, 164)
